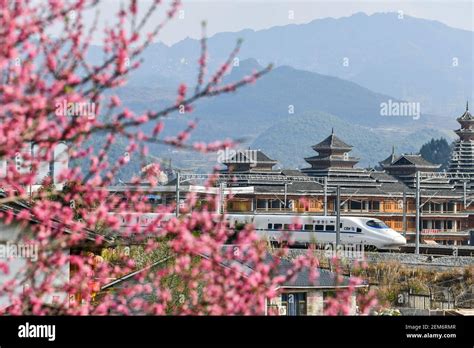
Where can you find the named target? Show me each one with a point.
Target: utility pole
(178, 179)
(417, 203)
(220, 207)
(404, 202)
(325, 196)
(338, 217)
(286, 192)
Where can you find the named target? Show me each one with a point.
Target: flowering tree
(46, 81)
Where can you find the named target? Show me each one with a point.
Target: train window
(277, 226)
(319, 227)
(270, 226)
(376, 224)
(287, 227)
(308, 227)
(330, 227)
(359, 229)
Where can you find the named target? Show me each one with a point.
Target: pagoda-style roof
(405, 167)
(249, 156)
(332, 142)
(465, 133)
(462, 155)
(245, 161)
(332, 153)
(389, 160)
(262, 158)
(466, 116)
(416, 161)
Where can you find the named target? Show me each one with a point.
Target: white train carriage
(304, 229)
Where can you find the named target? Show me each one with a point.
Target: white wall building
(53, 168)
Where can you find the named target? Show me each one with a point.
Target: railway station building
(252, 185)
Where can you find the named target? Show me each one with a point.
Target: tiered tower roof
(332, 143)
(466, 120)
(332, 153)
(462, 156)
(334, 162)
(405, 167)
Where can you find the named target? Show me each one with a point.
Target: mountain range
(408, 58)
(329, 73)
(288, 110)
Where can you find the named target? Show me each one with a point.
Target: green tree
(437, 151)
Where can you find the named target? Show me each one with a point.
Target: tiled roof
(292, 172)
(467, 115)
(261, 157)
(295, 188)
(389, 160)
(332, 141)
(416, 160)
(247, 156)
(383, 177)
(16, 207)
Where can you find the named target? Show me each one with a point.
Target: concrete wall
(9, 236)
(314, 303)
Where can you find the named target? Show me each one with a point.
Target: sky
(235, 15)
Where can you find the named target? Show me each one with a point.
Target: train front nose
(399, 240)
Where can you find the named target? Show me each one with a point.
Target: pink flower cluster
(73, 225)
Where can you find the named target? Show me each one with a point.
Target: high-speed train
(305, 229)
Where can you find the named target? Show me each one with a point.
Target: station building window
(295, 303)
(356, 205)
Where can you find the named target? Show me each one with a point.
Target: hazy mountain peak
(245, 67)
(249, 64)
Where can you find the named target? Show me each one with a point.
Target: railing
(438, 175)
(252, 177)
